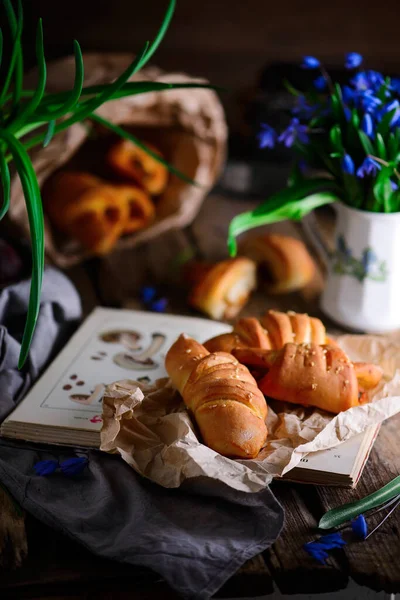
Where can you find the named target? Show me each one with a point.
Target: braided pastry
(222, 396)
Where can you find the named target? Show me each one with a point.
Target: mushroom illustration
(128, 338)
(144, 360)
(95, 396)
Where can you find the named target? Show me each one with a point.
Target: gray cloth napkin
(195, 538)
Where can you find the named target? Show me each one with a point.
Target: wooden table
(58, 568)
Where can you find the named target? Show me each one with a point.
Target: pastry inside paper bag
(311, 375)
(222, 396)
(272, 331)
(133, 163)
(93, 211)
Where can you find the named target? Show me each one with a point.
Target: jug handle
(311, 230)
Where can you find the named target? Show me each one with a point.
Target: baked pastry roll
(284, 262)
(130, 161)
(272, 331)
(140, 208)
(312, 375)
(85, 208)
(224, 288)
(222, 396)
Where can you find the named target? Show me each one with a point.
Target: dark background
(228, 41)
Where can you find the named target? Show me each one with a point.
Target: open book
(65, 405)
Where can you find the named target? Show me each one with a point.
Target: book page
(340, 460)
(112, 344)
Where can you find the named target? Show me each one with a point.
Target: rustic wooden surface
(58, 568)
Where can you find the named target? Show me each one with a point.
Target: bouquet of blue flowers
(349, 134)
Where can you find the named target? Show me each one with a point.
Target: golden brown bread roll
(85, 208)
(224, 288)
(272, 331)
(222, 396)
(284, 262)
(311, 375)
(127, 159)
(140, 208)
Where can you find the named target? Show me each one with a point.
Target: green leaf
(380, 146)
(34, 102)
(70, 98)
(49, 133)
(393, 148)
(5, 180)
(354, 190)
(290, 203)
(296, 176)
(34, 207)
(129, 136)
(366, 143)
(355, 119)
(346, 512)
(16, 64)
(336, 139)
(291, 89)
(383, 190)
(383, 126)
(161, 32)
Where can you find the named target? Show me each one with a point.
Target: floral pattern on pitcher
(366, 267)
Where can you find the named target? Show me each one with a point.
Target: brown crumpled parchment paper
(152, 431)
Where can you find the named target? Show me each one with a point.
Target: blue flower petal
(367, 125)
(360, 527)
(45, 467)
(267, 137)
(320, 83)
(73, 466)
(331, 540)
(353, 60)
(347, 164)
(310, 62)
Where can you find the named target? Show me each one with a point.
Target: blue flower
(159, 305)
(147, 294)
(394, 185)
(395, 84)
(310, 62)
(320, 83)
(360, 527)
(368, 167)
(368, 80)
(369, 102)
(367, 125)
(349, 95)
(303, 109)
(347, 164)
(347, 113)
(394, 105)
(318, 549)
(73, 466)
(267, 136)
(353, 60)
(45, 467)
(295, 131)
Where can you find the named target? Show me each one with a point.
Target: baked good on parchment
(222, 396)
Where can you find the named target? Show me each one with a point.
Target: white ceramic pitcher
(362, 290)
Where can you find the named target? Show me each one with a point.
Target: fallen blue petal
(147, 294)
(316, 552)
(331, 540)
(159, 305)
(359, 527)
(45, 467)
(73, 466)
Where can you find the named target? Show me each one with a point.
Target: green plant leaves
(383, 191)
(34, 208)
(291, 203)
(338, 516)
(16, 62)
(6, 184)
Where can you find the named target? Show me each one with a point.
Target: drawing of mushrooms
(128, 338)
(144, 360)
(87, 399)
